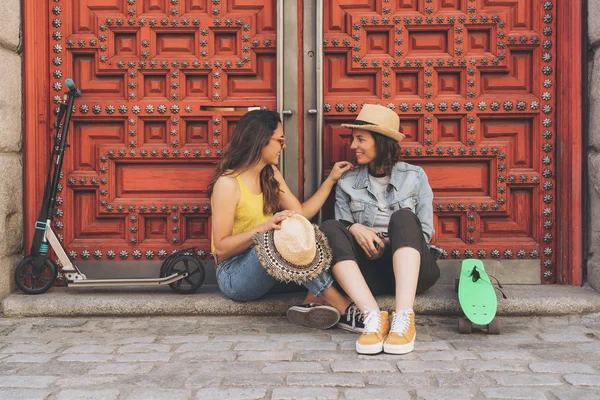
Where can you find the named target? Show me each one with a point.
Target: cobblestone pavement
(268, 358)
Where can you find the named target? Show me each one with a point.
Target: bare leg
(310, 298)
(407, 262)
(334, 298)
(348, 275)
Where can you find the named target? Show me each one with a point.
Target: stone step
(521, 272)
(523, 300)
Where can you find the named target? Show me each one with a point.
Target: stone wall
(11, 164)
(593, 267)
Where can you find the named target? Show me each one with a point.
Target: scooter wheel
(30, 284)
(195, 270)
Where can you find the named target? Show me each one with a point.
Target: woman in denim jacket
(380, 235)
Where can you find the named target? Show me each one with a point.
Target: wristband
(347, 224)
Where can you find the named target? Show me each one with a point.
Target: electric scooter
(183, 271)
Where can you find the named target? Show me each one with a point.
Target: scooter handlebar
(71, 85)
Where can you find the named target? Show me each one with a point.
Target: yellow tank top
(248, 212)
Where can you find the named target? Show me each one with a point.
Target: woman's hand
(275, 221)
(276, 171)
(366, 238)
(338, 170)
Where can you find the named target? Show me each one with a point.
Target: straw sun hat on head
(298, 252)
(378, 119)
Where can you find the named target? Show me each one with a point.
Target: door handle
(287, 112)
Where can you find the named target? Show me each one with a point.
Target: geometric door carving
(164, 83)
(474, 85)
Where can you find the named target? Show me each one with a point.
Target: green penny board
(477, 297)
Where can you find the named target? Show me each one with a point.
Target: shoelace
(354, 315)
(400, 323)
(372, 321)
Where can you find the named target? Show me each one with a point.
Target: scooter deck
(476, 293)
(128, 282)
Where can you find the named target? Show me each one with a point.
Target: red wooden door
(474, 83)
(164, 83)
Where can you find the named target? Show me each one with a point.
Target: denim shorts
(243, 278)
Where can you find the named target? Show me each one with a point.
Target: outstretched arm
(311, 207)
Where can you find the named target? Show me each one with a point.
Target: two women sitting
(377, 244)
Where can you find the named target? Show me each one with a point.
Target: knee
(331, 226)
(403, 217)
(405, 223)
(402, 214)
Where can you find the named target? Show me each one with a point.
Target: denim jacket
(408, 188)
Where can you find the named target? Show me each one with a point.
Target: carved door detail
(474, 84)
(164, 83)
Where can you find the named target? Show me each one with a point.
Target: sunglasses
(281, 141)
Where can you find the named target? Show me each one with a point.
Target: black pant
(404, 230)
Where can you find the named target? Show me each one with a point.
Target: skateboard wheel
(494, 327)
(456, 282)
(464, 325)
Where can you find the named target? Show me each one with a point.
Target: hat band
(360, 122)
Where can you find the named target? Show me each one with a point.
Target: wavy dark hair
(388, 153)
(251, 135)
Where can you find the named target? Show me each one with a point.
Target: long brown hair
(252, 133)
(388, 153)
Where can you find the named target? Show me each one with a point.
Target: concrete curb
(523, 300)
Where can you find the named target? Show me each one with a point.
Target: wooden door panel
(474, 85)
(348, 84)
(94, 83)
(260, 83)
(164, 83)
(88, 225)
(518, 78)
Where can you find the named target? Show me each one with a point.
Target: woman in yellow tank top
(249, 195)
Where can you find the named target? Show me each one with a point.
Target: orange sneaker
(377, 326)
(401, 339)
